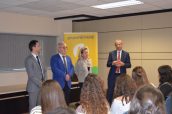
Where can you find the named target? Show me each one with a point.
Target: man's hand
(121, 63)
(118, 63)
(67, 77)
(115, 63)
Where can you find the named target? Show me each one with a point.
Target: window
(14, 49)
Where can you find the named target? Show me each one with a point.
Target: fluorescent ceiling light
(118, 4)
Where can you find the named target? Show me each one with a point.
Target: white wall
(35, 25)
(146, 37)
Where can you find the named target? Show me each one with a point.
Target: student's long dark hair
(125, 87)
(165, 74)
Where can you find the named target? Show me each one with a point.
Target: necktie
(40, 66)
(118, 59)
(65, 64)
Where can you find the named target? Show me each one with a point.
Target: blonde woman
(83, 65)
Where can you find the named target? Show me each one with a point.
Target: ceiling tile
(155, 1)
(58, 8)
(71, 1)
(16, 2)
(26, 11)
(110, 1)
(50, 5)
(144, 7)
(3, 5)
(165, 5)
(89, 2)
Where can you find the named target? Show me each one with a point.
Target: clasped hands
(118, 63)
(67, 77)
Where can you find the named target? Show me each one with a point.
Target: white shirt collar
(34, 55)
(119, 51)
(61, 56)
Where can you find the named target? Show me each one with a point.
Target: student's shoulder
(80, 110)
(36, 110)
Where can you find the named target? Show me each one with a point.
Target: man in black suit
(118, 61)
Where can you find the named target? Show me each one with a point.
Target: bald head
(118, 44)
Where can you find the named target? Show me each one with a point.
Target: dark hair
(125, 87)
(165, 74)
(32, 44)
(62, 110)
(147, 100)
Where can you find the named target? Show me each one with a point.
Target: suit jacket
(113, 57)
(59, 71)
(34, 73)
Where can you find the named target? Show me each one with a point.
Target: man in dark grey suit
(36, 71)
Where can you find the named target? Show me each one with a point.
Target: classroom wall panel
(146, 37)
(131, 40)
(107, 25)
(160, 20)
(157, 40)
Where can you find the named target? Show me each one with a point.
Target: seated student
(124, 91)
(62, 110)
(168, 104)
(147, 100)
(93, 99)
(139, 76)
(51, 97)
(165, 79)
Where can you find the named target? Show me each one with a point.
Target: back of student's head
(62, 110)
(124, 86)
(147, 100)
(92, 96)
(51, 96)
(165, 74)
(139, 76)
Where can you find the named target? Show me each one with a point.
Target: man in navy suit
(118, 61)
(62, 69)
